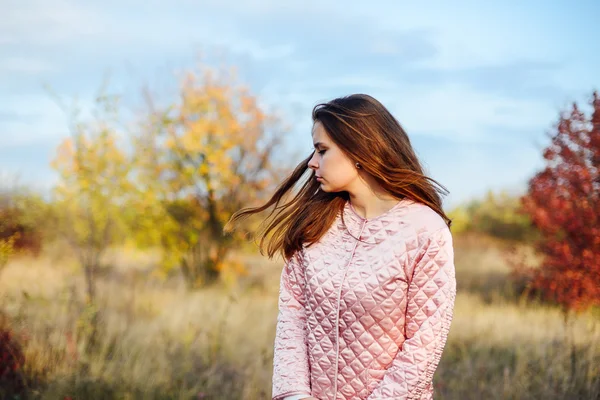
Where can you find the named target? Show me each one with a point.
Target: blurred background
(130, 132)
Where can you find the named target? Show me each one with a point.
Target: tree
(93, 186)
(7, 242)
(23, 222)
(563, 202)
(198, 161)
(496, 215)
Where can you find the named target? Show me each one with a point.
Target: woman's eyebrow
(318, 144)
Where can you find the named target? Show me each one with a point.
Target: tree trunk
(90, 282)
(201, 267)
(90, 277)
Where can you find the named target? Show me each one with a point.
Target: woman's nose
(312, 163)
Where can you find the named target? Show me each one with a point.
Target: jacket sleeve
(431, 295)
(291, 373)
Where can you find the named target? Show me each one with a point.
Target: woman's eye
(322, 152)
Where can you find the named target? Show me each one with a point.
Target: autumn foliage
(198, 160)
(20, 228)
(563, 202)
(93, 186)
(171, 179)
(11, 362)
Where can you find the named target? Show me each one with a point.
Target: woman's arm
(290, 359)
(431, 296)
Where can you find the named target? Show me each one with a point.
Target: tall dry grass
(158, 341)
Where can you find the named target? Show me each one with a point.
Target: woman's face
(336, 170)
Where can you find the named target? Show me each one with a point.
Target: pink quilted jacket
(366, 319)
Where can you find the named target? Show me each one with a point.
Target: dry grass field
(158, 341)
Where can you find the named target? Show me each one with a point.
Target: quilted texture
(365, 312)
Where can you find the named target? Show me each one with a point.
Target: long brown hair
(368, 134)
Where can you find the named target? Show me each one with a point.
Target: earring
(357, 165)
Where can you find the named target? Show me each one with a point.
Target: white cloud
(25, 65)
(30, 119)
(39, 22)
(465, 115)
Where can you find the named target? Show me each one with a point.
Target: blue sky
(475, 85)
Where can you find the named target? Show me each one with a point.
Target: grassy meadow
(158, 341)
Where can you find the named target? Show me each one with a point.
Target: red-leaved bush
(563, 202)
(11, 362)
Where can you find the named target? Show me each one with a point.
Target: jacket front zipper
(337, 316)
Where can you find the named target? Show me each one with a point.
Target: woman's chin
(326, 188)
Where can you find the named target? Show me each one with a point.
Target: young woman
(368, 286)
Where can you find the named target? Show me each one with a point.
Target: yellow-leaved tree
(94, 184)
(198, 160)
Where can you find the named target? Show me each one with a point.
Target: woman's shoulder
(423, 219)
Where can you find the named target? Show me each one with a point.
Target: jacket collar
(355, 223)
